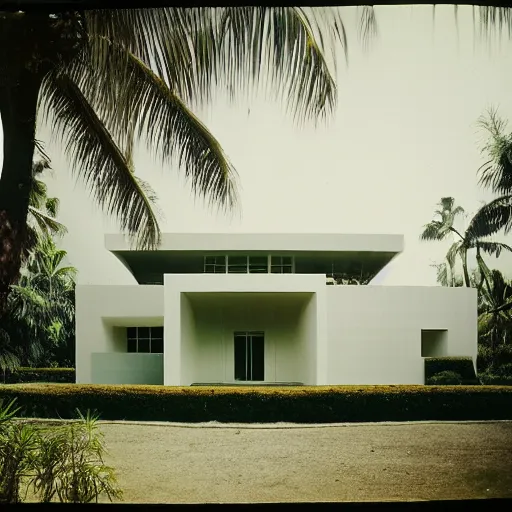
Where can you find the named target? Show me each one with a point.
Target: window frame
(150, 338)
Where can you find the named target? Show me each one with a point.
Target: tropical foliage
(38, 327)
(107, 79)
(443, 227)
(494, 290)
(55, 463)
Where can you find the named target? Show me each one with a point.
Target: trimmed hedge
(318, 404)
(26, 374)
(461, 365)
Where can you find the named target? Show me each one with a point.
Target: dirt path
(171, 464)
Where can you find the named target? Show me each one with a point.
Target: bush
(445, 378)
(500, 375)
(501, 355)
(463, 366)
(25, 375)
(316, 404)
(64, 462)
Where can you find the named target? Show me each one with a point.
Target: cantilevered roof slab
(314, 253)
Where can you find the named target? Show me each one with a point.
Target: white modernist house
(262, 308)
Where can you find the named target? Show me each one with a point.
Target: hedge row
(25, 374)
(319, 404)
(461, 365)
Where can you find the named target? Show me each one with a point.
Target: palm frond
(453, 252)
(98, 160)
(368, 28)
(52, 205)
(491, 218)
(170, 129)
(447, 203)
(496, 172)
(494, 248)
(494, 19)
(46, 223)
(189, 48)
(433, 231)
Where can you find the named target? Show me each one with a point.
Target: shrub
(70, 464)
(315, 404)
(460, 365)
(445, 378)
(25, 375)
(64, 461)
(500, 375)
(500, 355)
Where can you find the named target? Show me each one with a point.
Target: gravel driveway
(167, 463)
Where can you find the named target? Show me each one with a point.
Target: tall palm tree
(107, 78)
(495, 174)
(442, 227)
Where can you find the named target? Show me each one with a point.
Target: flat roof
(314, 253)
(270, 242)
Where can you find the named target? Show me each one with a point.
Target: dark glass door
(249, 356)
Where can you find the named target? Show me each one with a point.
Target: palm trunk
(18, 109)
(465, 268)
(22, 70)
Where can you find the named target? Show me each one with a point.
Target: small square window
(131, 332)
(132, 345)
(157, 346)
(143, 346)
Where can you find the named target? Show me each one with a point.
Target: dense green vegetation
(494, 289)
(38, 326)
(53, 462)
(315, 404)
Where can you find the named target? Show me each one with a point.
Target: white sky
(404, 135)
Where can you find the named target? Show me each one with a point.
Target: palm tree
(494, 320)
(104, 79)
(443, 227)
(41, 306)
(496, 175)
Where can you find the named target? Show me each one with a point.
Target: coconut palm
(442, 227)
(495, 174)
(104, 79)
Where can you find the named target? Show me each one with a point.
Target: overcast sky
(404, 134)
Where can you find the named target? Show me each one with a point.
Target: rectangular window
(281, 265)
(258, 265)
(237, 264)
(145, 340)
(215, 264)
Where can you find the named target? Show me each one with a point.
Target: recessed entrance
(249, 356)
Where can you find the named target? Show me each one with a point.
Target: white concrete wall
(211, 357)
(374, 332)
(101, 314)
(307, 341)
(189, 345)
(287, 349)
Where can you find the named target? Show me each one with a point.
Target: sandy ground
(354, 462)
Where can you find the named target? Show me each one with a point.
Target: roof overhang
(374, 252)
